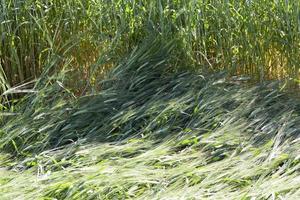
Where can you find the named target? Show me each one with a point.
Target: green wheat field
(149, 99)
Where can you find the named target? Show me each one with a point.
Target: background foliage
(258, 38)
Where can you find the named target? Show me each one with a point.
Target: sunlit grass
(153, 134)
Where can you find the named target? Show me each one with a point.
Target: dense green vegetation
(120, 99)
(260, 38)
